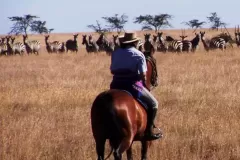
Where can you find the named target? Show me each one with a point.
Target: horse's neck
(152, 76)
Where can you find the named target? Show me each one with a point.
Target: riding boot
(149, 135)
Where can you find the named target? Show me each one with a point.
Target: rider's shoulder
(136, 51)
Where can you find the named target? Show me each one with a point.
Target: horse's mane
(154, 77)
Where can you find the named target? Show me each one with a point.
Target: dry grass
(45, 102)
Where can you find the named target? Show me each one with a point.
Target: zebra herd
(169, 44)
(8, 46)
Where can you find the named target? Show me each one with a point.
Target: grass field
(45, 103)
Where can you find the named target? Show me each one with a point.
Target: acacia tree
(215, 21)
(116, 22)
(98, 28)
(150, 22)
(39, 27)
(50, 30)
(21, 24)
(194, 23)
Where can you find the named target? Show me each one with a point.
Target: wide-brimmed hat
(130, 37)
(140, 43)
(120, 38)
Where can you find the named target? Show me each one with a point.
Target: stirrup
(159, 131)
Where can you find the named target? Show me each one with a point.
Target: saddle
(144, 105)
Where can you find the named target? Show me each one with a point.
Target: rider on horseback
(128, 66)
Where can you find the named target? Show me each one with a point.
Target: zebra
(63, 48)
(109, 47)
(156, 42)
(31, 46)
(72, 45)
(204, 41)
(116, 42)
(93, 43)
(237, 36)
(187, 45)
(3, 47)
(89, 47)
(217, 42)
(162, 45)
(102, 42)
(148, 46)
(18, 47)
(174, 45)
(169, 44)
(52, 46)
(195, 42)
(9, 46)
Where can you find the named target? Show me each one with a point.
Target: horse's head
(147, 37)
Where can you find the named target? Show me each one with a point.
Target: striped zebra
(237, 36)
(9, 46)
(217, 42)
(72, 45)
(63, 48)
(170, 44)
(174, 45)
(148, 45)
(162, 44)
(89, 47)
(156, 42)
(54, 46)
(187, 45)
(18, 47)
(93, 43)
(195, 42)
(101, 42)
(3, 47)
(31, 46)
(116, 42)
(109, 47)
(205, 41)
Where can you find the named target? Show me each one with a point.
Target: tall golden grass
(45, 104)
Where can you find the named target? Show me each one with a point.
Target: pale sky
(74, 15)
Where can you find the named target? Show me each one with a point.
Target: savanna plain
(45, 103)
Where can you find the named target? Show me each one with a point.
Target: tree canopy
(22, 24)
(150, 22)
(98, 28)
(116, 22)
(215, 21)
(194, 23)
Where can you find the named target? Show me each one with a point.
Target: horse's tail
(105, 102)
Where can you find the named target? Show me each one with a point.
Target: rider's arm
(142, 67)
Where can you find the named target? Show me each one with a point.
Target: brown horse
(117, 116)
